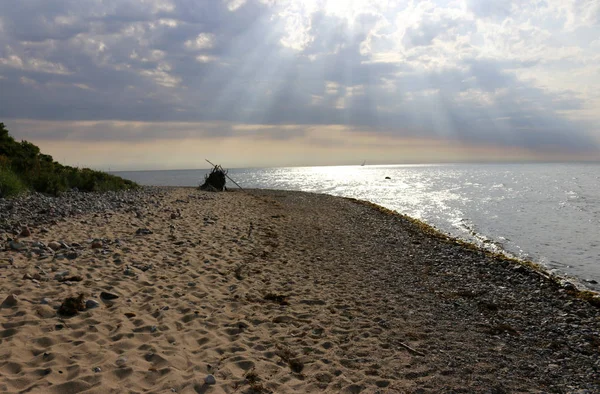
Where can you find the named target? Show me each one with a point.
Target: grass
(10, 184)
(23, 166)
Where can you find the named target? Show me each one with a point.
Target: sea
(545, 213)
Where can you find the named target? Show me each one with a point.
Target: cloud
(511, 74)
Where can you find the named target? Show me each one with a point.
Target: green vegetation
(23, 167)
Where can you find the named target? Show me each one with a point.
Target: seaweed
(72, 306)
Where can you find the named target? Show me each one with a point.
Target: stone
(72, 255)
(96, 244)
(59, 276)
(54, 245)
(46, 301)
(14, 245)
(128, 272)
(143, 231)
(10, 301)
(96, 369)
(210, 380)
(91, 304)
(108, 296)
(25, 232)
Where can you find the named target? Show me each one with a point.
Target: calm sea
(547, 213)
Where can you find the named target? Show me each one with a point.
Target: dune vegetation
(24, 168)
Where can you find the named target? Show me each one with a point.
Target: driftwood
(215, 180)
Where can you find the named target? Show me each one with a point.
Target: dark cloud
(132, 61)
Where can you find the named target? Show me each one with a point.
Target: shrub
(25, 166)
(10, 183)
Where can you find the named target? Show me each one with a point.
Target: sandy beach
(279, 292)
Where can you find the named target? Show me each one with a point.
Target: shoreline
(279, 291)
(566, 281)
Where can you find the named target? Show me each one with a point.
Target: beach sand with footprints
(282, 292)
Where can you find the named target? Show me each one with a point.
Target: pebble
(37, 209)
(96, 369)
(72, 255)
(61, 275)
(10, 301)
(25, 231)
(14, 245)
(91, 304)
(54, 245)
(108, 296)
(128, 272)
(97, 243)
(210, 379)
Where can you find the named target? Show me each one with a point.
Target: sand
(282, 292)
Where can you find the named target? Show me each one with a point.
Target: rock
(210, 380)
(10, 301)
(108, 296)
(121, 361)
(54, 245)
(27, 277)
(14, 245)
(387, 177)
(72, 255)
(96, 369)
(97, 243)
(46, 301)
(59, 276)
(44, 230)
(91, 304)
(74, 278)
(143, 231)
(25, 231)
(128, 272)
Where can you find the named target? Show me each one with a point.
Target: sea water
(546, 213)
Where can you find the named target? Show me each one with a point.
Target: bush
(10, 183)
(25, 166)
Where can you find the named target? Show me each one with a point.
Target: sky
(164, 84)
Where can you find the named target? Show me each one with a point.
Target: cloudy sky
(151, 84)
